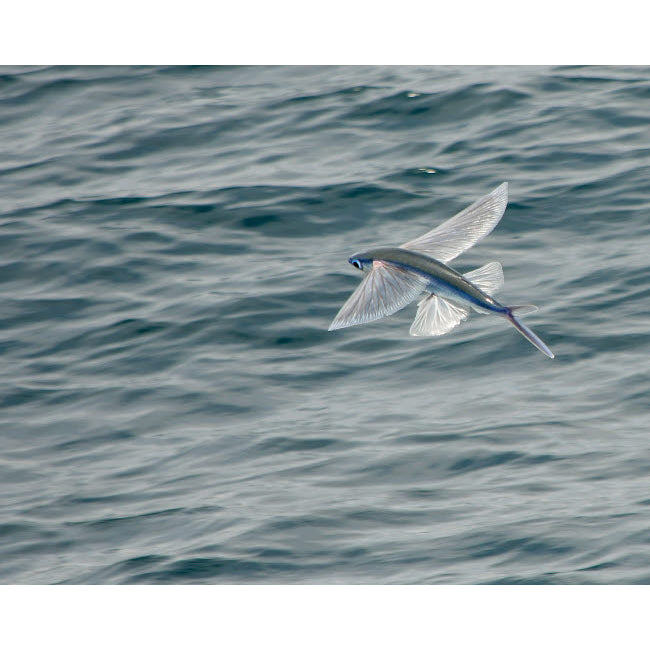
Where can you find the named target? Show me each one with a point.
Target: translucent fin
(522, 310)
(387, 288)
(437, 316)
(489, 278)
(530, 335)
(461, 232)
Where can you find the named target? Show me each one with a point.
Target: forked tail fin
(527, 332)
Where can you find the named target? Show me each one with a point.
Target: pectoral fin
(386, 289)
(461, 232)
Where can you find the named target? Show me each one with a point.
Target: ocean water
(174, 246)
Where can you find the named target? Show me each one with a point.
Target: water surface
(174, 246)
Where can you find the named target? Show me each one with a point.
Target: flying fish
(396, 276)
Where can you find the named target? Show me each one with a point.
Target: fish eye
(356, 264)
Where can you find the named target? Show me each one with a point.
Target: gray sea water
(174, 246)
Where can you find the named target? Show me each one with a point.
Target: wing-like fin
(387, 288)
(461, 232)
(437, 316)
(488, 278)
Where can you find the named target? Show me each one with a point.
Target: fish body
(442, 280)
(395, 276)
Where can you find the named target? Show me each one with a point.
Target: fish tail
(528, 333)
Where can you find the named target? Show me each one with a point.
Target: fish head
(361, 261)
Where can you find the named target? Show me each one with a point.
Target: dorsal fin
(488, 278)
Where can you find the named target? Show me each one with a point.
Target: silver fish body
(395, 276)
(442, 280)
